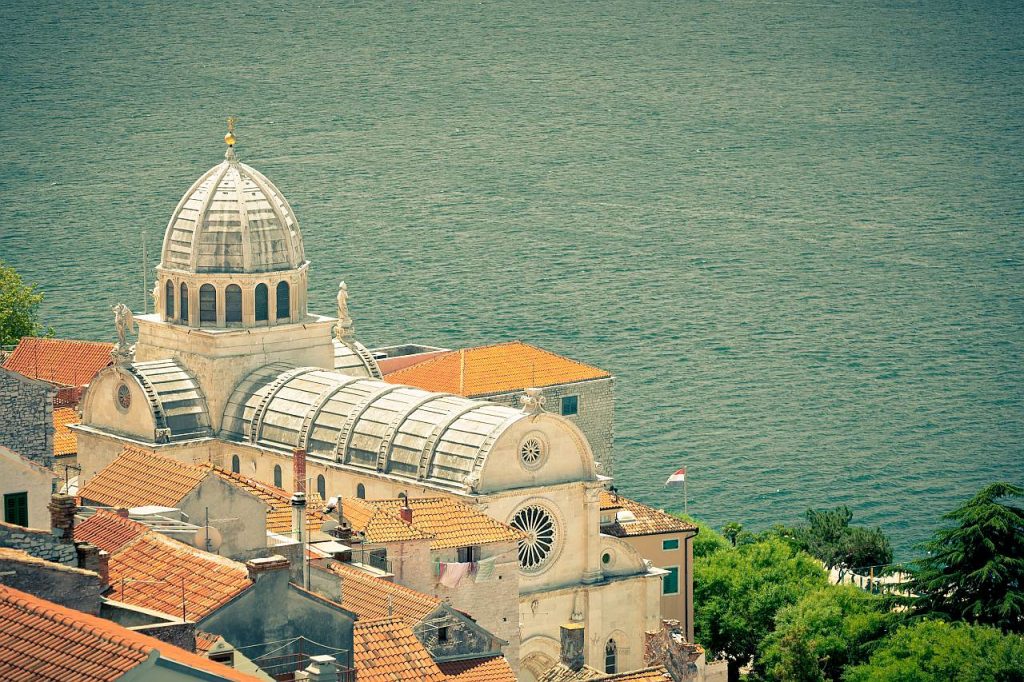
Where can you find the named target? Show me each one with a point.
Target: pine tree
(974, 571)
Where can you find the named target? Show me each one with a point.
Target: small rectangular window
(469, 554)
(224, 657)
(442, 635)
(570, 405)
(670, 582)
(16, 508)
(669, 544)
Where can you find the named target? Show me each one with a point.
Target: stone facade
(39, 543)
(595, 415)
(26, 416)
(72, 587)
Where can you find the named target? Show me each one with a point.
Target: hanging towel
(485, 569)
(451, 574)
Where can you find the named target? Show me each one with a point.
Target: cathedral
(234, 369)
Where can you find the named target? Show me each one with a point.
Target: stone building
(501, 372)
(25, 487)
(233, 365)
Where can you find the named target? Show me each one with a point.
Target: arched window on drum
(277, 476)
(262, 303)
(283, 301)
(321, 486)
(169, 301)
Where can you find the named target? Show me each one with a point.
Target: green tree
(19, 308)
(936, 651)
(826, 630)
(731, 530)
(974, 570)
(740, 591)
(829, 536)
(707, 541)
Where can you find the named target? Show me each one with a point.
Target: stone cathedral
(233, 367)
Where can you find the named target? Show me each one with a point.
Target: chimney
(92, 558)
(299, 470)
(258, 567)
(299, 530)
(668, 647)
(62, 517)
(122, 512)
(320, 669)
(573, 642)
(406, 514)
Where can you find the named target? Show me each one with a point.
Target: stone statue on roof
(125, 323)
(344, 329)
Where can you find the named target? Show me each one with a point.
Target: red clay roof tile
(59, 361)
(386, 650)
(495, 669)
(139, 477)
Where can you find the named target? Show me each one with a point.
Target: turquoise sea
(791, 229)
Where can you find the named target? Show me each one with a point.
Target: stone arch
(284, 304)
(233, 303)
(207, 304)
(236, 464)
(262, 302)
(169, 301)
(361, 491)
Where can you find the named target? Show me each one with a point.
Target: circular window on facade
(531, 452)
(539, 527)
(124, 396)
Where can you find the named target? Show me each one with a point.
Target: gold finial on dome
(230, 139)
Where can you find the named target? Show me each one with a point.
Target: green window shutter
(669, 544)
(16, 508)
(670, 582)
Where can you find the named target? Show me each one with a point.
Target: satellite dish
(208, 533)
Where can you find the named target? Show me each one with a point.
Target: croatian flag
(677, 478)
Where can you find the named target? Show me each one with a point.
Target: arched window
(183, 302)
(610, 654)
(321, 486)
(233, 303)
(361, 491)
(261, 302)
(236, 465)
(277, 476)
(207, 303)
(169, 300)
(283, 301)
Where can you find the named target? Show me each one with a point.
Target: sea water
(792, 230)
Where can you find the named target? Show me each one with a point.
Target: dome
(232, 220)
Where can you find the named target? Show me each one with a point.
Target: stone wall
(71, 587)
(595, 417)
(38, 543)
(26, 416)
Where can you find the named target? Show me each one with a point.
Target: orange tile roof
(153, 567)
(59, 361)
(378, 525)
(138, 478)
(649, 521)
(500, 368)
(64, 440)
(495, 669)
(387, 651)
(278, 501)
(42, 641)
(108, 530)
(371, 598)
(205, 641)
(450, 523)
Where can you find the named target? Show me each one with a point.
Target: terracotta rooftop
(649, 521)
(139, 477)
(387, 651)
(562, 673)
(495, 669)
(378, 525)
(278, 501)
(59, 361)
(108, 530)
(41, 641)
(371, 598)
(205, 641)
(64, 440)
(500, 368)
(153, 567)
(449, 523)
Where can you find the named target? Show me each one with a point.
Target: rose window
(531, 452)
(124, 396)
(539, 527)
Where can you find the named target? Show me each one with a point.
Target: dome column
(222, 310)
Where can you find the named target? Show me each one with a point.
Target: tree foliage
(707, 541)
(19, 308)
(829, 536)
(822, 633)
(974, 570)
(739, 591)
(936, 651)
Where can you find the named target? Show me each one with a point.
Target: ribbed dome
(232, 219)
